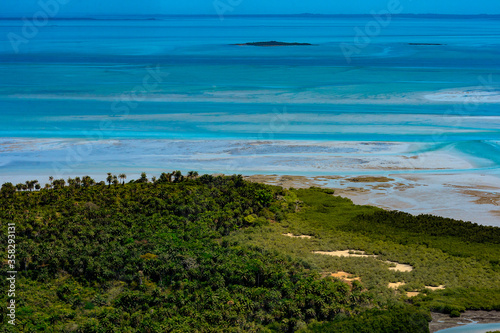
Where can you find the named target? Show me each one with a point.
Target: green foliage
(394, 320)
(430, 225)
(468, 269)
(149, 257)
(209, 254)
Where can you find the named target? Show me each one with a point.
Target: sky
(76, 8)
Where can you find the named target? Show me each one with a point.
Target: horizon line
(153, 16)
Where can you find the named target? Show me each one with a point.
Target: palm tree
(78, 181)
(122, 176)
(30, 185)
(164, 178)
(192, 174)
(51, 179)
(115, 180)
(178, 177)
(87, 181)
(59, 183)
(143, 179)
(19, 186)
(109, 179)
(8, 189)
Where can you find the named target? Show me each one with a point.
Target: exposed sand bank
(472, 95)
(413, 177)
(369, 179)
(323, 95)
(469, 197)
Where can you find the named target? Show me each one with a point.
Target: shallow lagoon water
(472, 328)
(173, 93)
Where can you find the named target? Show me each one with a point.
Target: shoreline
(468, 197)
(473, 198)
(417, 177)
(442, 321)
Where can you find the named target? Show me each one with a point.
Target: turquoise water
(472, 328)
(179, 78)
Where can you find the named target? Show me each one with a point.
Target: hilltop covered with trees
(189, 253)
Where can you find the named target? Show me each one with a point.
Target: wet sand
(419, 178)
(467, 197)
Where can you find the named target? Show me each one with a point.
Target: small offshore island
(218, 253)
(272, 43)
(426, 44)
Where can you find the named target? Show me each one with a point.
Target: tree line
(162, 242)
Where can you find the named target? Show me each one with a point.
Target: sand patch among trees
(362, 254)
(346, 253)
(395, 285)
(441, 287)
(347, 277)
(400, 267)
(298, 236)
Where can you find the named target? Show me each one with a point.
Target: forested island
(273, 43)
(426, 44)
(220, 254)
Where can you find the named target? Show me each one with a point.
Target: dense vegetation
(466, 263)
(188, 253)
(150, 257)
